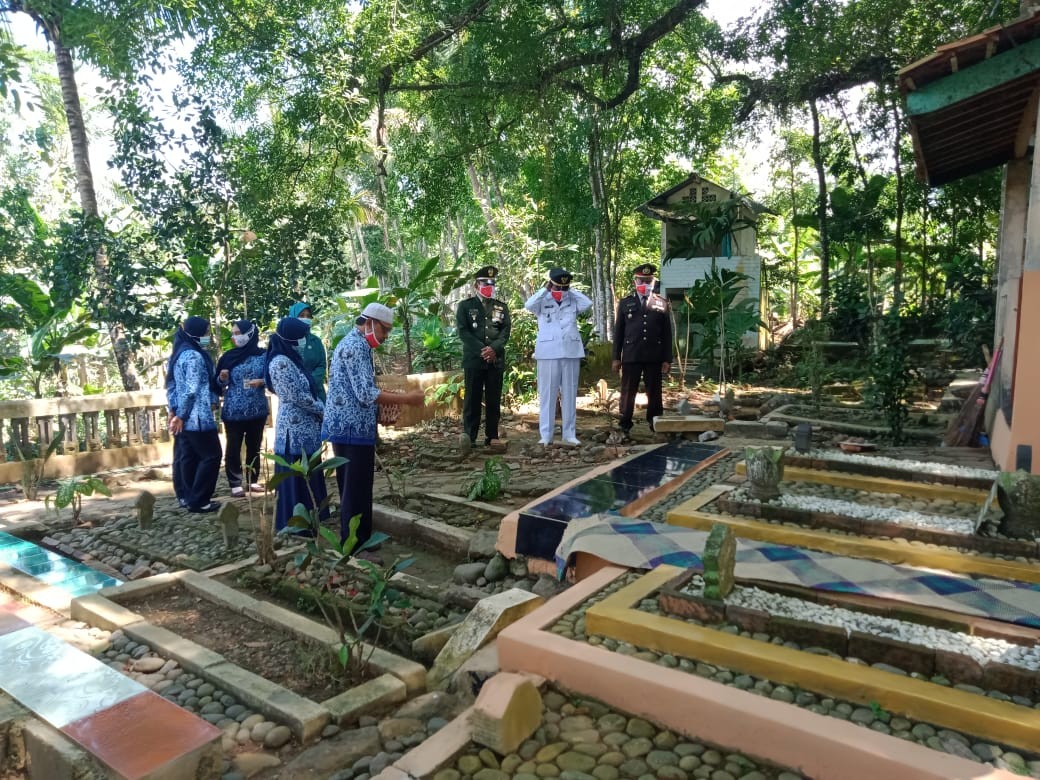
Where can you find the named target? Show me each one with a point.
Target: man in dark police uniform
(642, 345)
(483, 324)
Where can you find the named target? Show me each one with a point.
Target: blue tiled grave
(540, 527)
(73, 577)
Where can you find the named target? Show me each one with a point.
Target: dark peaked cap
(559, 276)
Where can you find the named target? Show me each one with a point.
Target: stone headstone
(228, 518)
(484, 622)
(765, 469)
(145, 506)
(720, 554)
(803, 438)
(506, 713)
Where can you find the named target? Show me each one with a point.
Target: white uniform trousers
(558, 376)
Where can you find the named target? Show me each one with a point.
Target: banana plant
(49, 328)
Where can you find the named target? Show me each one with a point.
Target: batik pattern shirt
(298, 427)
(241, 403)
(351, 411)
(192, 393)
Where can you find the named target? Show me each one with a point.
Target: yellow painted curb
(948, 707)
(880, 484)
(858, 546)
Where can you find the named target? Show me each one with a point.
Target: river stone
(576, 723)
(497, 568)
(395, 728)
(550, 752)
(595, 749)
(488, 758)
(605, 772)
(448, 774)
(637, 727)
(490, 774)
(510, 763)
(277, 737)
(249, 764)
(613, 758)
(639, 746)
(862, 716)
(670, 772)
(611, 722)
(575, 762)
(583, 735)
(260, 730)
(468, 573)
(148, 665)
(656, 759)
(547, 770)
(470, 765)
(634, 767)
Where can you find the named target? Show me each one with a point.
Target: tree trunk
(796, 247)
(88, 197)
(600, 239)
(483, 200)
(821, 213)
(897, 276)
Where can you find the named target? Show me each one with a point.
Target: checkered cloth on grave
(640, 544)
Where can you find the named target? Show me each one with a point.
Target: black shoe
(212, 506)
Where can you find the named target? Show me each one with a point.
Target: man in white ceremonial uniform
(558, 350)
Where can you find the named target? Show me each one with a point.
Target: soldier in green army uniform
(483, 324)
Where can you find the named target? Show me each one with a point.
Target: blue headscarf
(298, 308)
(283, 342)
(237, 355)
(187, 339)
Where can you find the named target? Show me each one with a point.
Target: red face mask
(643, 288)
(557, 295)
(486, 290)
(371, 337)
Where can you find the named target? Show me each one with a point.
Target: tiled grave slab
(540, 527)
(56, 681)
(51, 568)
(142, 735)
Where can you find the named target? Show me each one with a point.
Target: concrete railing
(99, 432)
(129, 419)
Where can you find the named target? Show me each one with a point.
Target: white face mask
(305, 320)
(240, 339)
(204, 341)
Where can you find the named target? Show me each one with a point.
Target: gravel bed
(910, 466)
(714, 509)
(583, 738)
(572, 626)
(965, 510)
(982, 649)
(958, 525)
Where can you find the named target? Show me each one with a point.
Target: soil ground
(273, 654)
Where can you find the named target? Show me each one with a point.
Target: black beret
(487, 272)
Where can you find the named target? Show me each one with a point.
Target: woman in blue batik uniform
(195, 391)
(350, 414)
(240, 374)
(297, 429)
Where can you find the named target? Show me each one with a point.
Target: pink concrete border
(822, 747)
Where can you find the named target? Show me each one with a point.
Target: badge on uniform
(499, 315)
(657, 303)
